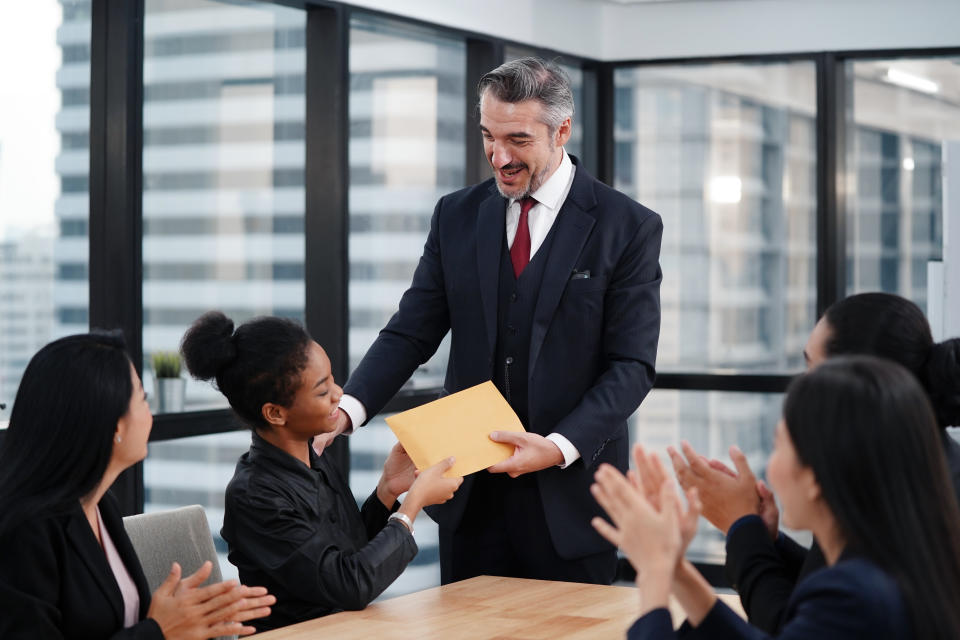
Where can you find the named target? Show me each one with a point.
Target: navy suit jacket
(852, 600)
(593, 343)
(55, 581)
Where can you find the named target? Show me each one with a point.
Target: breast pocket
(579, 286)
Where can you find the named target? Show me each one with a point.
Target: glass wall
(223, 205)
(44, 118)
(726, 153)
(223, 166)
(195, 471)
(407, 149)
(901, 112)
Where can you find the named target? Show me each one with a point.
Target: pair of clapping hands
(184, 609)
(653, 527)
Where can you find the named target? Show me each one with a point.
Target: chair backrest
(178, 535)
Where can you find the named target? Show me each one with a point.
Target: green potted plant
(167, 381)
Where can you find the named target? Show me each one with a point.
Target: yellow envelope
(458, 425)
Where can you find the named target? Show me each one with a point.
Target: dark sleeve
(375, 515)
(411, 336)
(309, 562)
(631, 331)
(30, 594)
(759, 573)
(831, 605)
(792, 552)
(144, 630)
(654, 625)
(29, 587)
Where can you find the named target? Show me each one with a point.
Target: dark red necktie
(520, 250)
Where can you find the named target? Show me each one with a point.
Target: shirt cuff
(355, 409)
(570, 453)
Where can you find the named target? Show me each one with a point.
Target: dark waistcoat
(517, 299)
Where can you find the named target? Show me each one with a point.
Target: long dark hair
(886, 485)
(258, 363)
(886, 325)
(64, 416)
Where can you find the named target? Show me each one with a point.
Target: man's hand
(533, 452)
(322, 441)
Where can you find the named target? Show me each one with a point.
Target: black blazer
(852, 600)
(55, 581)
(765, 572)
(593, 344)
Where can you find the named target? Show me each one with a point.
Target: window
(902, 110)
(406, 150)
(223, 163)
(223, 203)
(43, 192)
(726, 154)
(195, 471)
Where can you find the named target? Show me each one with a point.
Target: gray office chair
(178, 535)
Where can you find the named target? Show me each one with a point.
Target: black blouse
(297, 531)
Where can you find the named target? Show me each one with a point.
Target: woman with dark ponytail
(763, 564)
(68, 569)
(891, 327)
(290, 519)
(857, 460)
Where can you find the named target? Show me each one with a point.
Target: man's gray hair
(531, 79)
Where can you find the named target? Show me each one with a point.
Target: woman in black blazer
(857, 460)
(67, 567)
(763, 564)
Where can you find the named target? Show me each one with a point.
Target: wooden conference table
(487, 608)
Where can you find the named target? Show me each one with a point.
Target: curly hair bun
(208, 345)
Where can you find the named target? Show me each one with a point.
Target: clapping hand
(649, 524)
(186, 611)
(726, 495)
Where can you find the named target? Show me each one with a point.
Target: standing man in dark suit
(549, 282)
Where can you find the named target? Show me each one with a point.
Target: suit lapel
(82, 538)
(572, 228)
(491, 228)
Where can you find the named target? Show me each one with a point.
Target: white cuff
(570, 453)
(355, 409)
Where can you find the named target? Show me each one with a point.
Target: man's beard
(536, 181)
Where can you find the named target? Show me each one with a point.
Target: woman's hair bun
(942, 380)
(208, 345)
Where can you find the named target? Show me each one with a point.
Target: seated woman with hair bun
(290, 519)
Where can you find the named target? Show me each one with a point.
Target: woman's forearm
(693, 592)
(654, 587)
